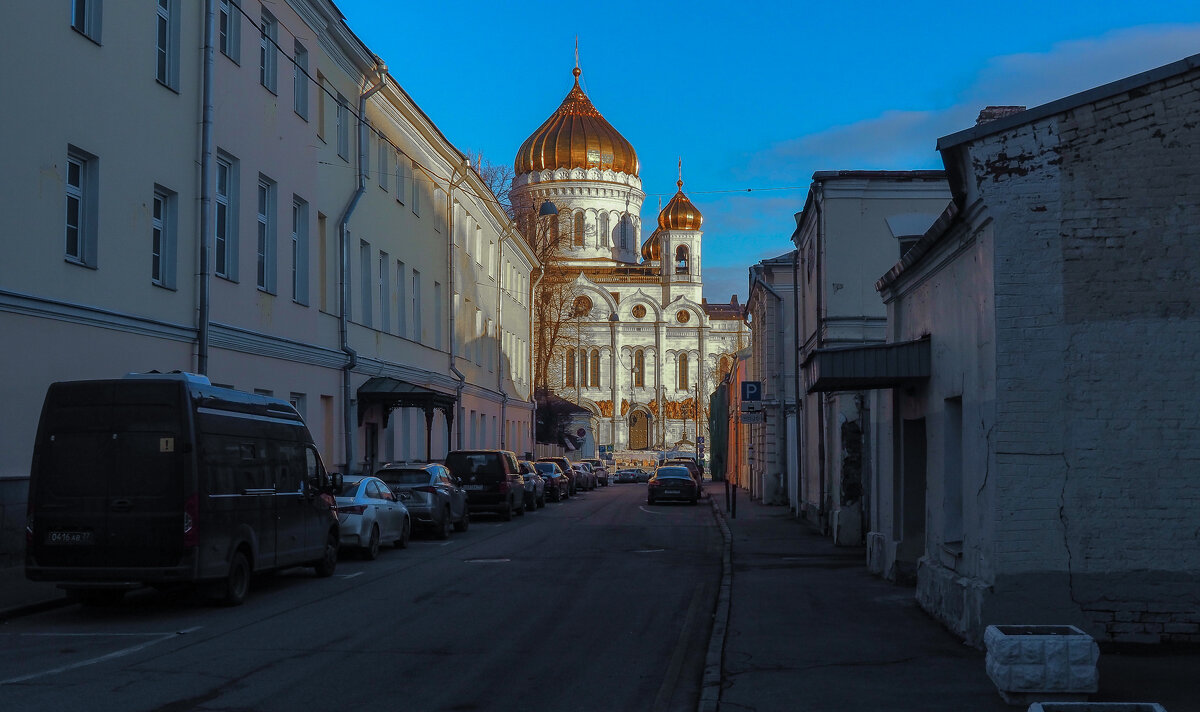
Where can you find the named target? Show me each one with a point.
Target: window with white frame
(265, 262)
(364, 266)
(416, 190)
(299, 250)
(437, 315)
(385, 154)
(602, 227)
(163, 241)
(402, 299)
(85, 17)
(299, 401)
(402, 165)
(229, 24)
(268, 62)
(166, 40)
(300, 79)
(225, 220)
(385, 288)
(81, 223)
(343, 128)
(418, 336)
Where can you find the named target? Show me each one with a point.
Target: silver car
(369, 515)
(535, 486)
(434, 499)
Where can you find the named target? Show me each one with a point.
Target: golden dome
(680, 214)
(651, 249)
(576, 136)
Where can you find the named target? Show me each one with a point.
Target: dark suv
(492, 479)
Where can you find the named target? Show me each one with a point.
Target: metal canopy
(392, 393)
(867, 367)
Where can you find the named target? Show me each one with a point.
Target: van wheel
(237, 583)
(371, 550)
(402, 541)
(443, 530)
(325, 566)
(506, 515)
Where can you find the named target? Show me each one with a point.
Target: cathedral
(647, 349)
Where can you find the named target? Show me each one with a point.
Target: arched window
(681, 259)
(682, 372)
(578, 228)
(625, 230)
(603, 230)
(569, 367)
(595, 380)
(639, 369)
(583, 369)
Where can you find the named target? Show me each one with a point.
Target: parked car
(492, 479)
(600, 470)
(535, 486)
(558, 485)
(584, 475)
(369, 516)
(692, 466)
(643, 475)
(166, 479)
(627, 476)
(434, 500)
(565, 466)
(672, 482)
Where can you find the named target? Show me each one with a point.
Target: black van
(492, 479)
(165, 479)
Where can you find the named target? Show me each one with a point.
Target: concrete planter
(1041, 663)
(1096, 707)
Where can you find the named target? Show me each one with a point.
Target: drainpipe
(819, 203)
(348, 414)
(206, 185)
(459, 175)
(800, 451)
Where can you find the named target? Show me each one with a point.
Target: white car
(370, 515)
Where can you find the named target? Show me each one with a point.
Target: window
(266, 235)
(299, 251)
(163, 231)
(625, 232)
(478, 334)
(300, 79)
(437, 315)
(438, 207)
(268, 29)
(569, 367)
(402, 165)
(682, 372)
(489, 345)
(166, 40)
(365, 147)
(577, 226)
(229, 24)
(364, 265)
(583, 368)
(81, 207)
(402, 298)
(681, 259)
(595, 382)
(639, 368)
(603, 230)
(343, 128)
(416, 190)
(225, 222)
(323, 262)
(385, 152)
(457, 307)
(418, 334)
(385, 292)
(321, 106)
(85, 18)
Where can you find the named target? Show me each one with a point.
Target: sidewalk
(810, 629)
(20, 596)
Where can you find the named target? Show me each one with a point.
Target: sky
(757, 96)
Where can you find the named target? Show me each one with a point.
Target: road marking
(110, 656)
(649, 511)
(350, 576)
(486, 561)
(648, 551)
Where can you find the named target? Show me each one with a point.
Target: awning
(861, 368)
(393, 393)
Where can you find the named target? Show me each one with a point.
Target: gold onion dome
(576, 136)
(651, 248)
(680, 214)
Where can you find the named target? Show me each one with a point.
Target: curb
(710, 691)
(30, 608)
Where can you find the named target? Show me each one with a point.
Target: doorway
(639, 430)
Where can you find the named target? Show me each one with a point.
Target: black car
(492, 479)
(672, 483)
(558, 487)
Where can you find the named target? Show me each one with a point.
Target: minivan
(165, 479)
(492, 479)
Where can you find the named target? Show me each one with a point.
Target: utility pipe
(348, 424)
(819, 203)
(800, 450)
(456, 178)
(206, 185)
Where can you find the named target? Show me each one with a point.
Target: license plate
(671, 492)
(70, 538)
(475, 488)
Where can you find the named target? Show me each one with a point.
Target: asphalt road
(597, 603)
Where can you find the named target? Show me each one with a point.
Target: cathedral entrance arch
(639, 430)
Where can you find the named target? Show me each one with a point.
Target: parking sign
(751, 390)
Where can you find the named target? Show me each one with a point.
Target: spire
(577, 71)
(680, 181)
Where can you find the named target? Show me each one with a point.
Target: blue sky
(758, 95)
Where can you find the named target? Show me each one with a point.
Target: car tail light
(504, 486)
(191, 520)
(351, 508)
(427, 488)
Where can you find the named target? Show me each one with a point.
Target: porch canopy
(393, 393)
(860, 368)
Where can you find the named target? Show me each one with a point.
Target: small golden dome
(576, 136)
(680, 214)
(651, 249)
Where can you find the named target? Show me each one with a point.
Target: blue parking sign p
(751, 390)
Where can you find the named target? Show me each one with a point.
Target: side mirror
(336, 482)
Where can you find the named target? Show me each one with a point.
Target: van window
(236, 465)
(477, 463)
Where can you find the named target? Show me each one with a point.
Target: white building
(645, 357)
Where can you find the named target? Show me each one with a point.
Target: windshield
(404, 477)
(545, 468)
(673, 473)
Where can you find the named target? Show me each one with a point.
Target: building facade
(277, 244)
(645, 350)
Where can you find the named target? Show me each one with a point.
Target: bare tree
(496, 176)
